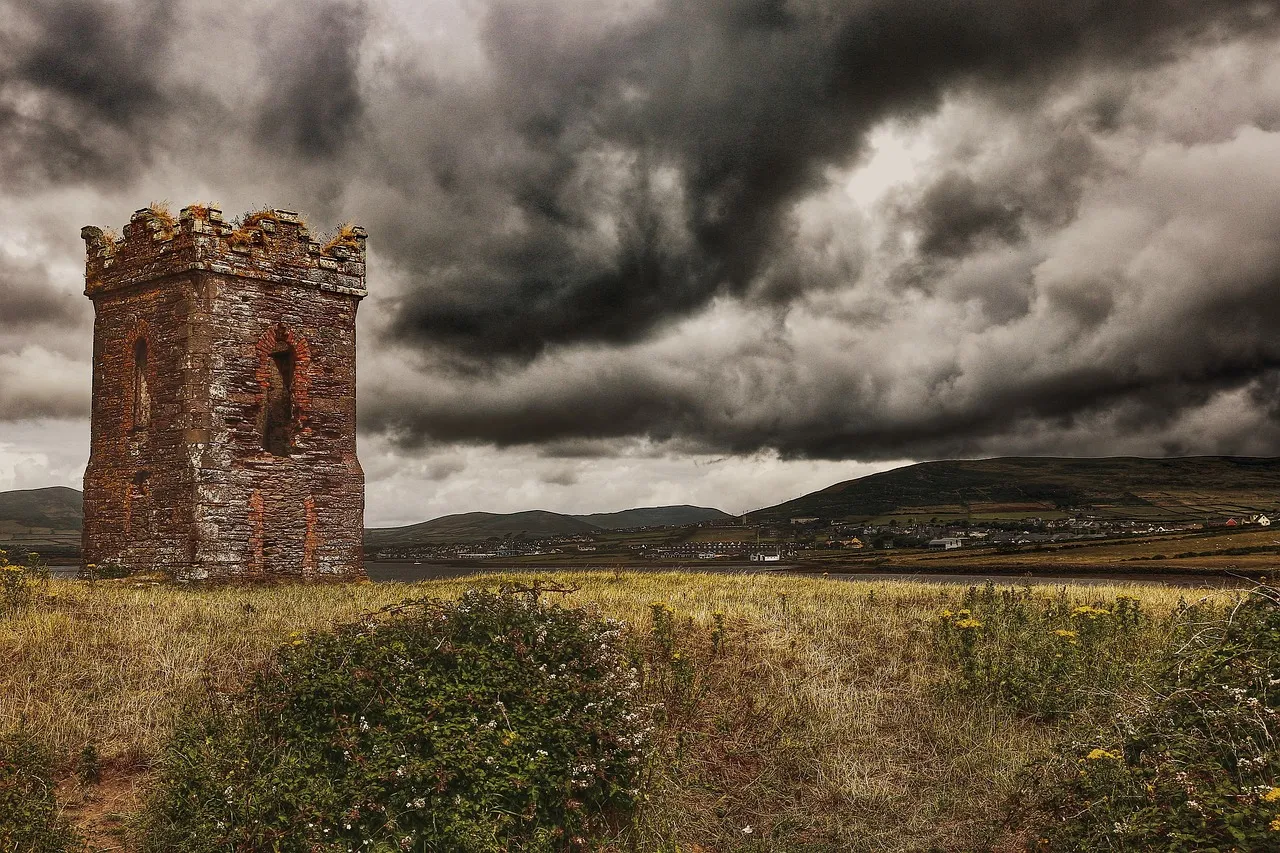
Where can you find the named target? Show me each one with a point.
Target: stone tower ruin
(224, 410)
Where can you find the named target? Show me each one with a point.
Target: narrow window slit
(141, 388)
(277, 432)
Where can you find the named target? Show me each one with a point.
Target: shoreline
(401, 571)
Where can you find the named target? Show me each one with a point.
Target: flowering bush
(1198, 768)
(1045, 656)
(29, 818)
(494, 723)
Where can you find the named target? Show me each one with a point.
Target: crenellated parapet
(270, 245)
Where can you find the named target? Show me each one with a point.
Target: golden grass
(821, 721)
(241, 238)
(345, 236)
(244, 234)
(110, 240)
(253, 217)
(160, 211)
(247, 231)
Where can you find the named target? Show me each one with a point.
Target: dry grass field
(821, 721)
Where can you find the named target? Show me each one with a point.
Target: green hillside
(1187, 489)
(655, 516)
(479, 526)
(56, 508)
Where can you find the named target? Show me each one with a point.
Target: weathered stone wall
(137, 486)
(250, 333)
(295, 513)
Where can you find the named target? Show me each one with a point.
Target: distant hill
(57, 508)
(534, 524)
(655, 516)
(479, 526)
(1188, 488)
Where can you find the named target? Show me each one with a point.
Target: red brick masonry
(224, 408)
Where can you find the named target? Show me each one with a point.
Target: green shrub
(1198, 768)
(29, 817)
(497, 722)
(1045, 656)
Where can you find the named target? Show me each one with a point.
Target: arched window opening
(277, 430)
(141, 388)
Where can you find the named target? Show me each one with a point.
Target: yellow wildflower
(1271, 796)
(1100, 753)
(1275, 825)
(1090, 612)
(1066, 635)
(946, 614)
(966, 624)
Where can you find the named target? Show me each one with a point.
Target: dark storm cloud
(78, 85)
(1144, 314)
(30, 300)
(39, 373)
(748, 102)
(601, 223)
(313, 101)
(693, 419)
(958, 214)
(98, 57)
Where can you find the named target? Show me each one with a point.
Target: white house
(948, 543)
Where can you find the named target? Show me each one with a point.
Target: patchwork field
(1250, 552)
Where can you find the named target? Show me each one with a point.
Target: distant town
(803, 535)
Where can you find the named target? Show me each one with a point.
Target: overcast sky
(631, 252)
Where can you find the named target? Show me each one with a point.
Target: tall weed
(1047, 656)
(19, 584)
